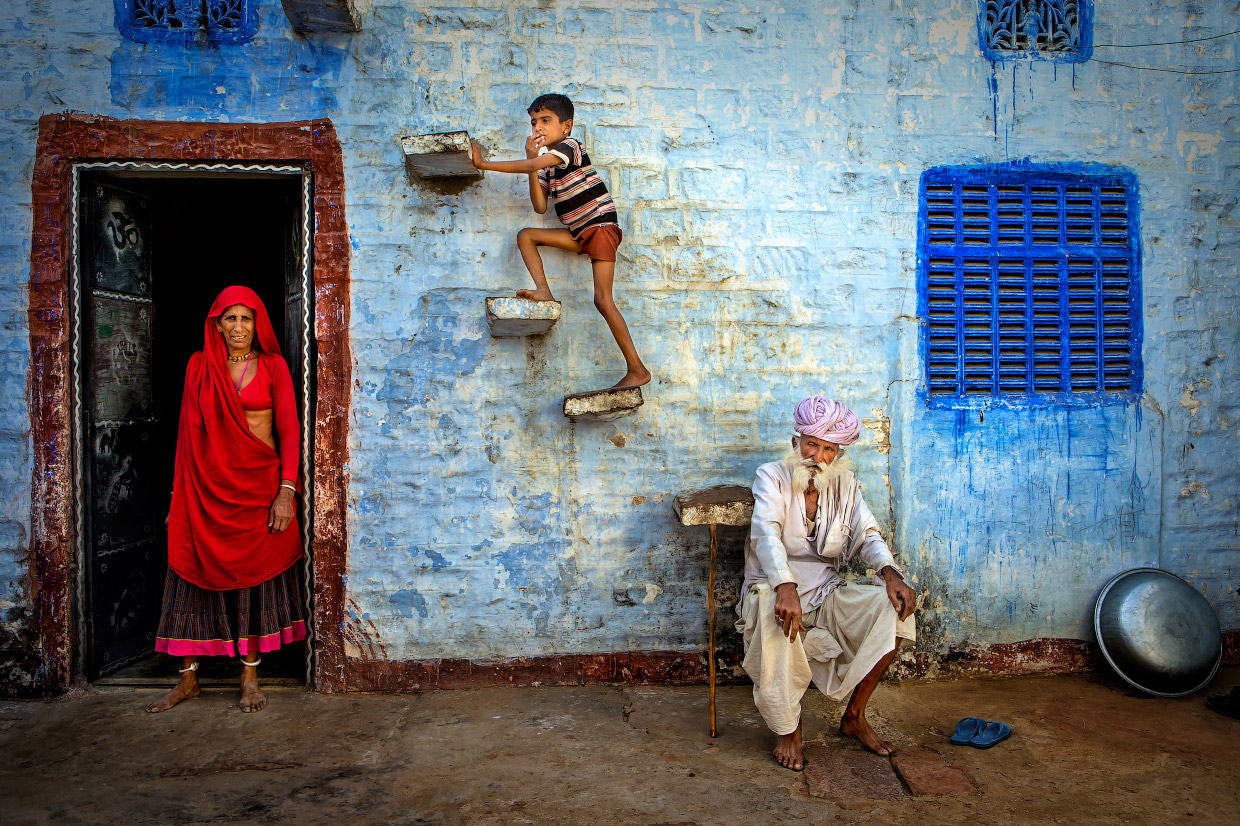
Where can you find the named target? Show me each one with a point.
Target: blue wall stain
(212, 80)
(406, 601)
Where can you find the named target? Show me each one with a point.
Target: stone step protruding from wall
(716, 505)
(602, 404)
(323, 15)
(509, 317)
(439, 156)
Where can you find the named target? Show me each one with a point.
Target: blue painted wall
(766, 159)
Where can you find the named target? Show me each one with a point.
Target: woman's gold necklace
(236, 359)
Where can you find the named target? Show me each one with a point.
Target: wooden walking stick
(714, 506)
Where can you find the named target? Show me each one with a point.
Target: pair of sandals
(979, 733)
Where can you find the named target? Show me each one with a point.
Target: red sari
(229, 576)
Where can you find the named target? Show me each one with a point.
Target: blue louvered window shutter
(1028, 285)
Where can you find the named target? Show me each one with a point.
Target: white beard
(804, 471)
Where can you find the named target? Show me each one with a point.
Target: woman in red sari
(233, 544)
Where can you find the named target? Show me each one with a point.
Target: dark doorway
(155, 251)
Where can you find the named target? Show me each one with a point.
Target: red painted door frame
(69, 138)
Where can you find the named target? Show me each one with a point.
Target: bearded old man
(800, 619)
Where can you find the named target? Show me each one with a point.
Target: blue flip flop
(967, 729)
(989, 734)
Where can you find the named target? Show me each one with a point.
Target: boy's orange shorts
(600, 242)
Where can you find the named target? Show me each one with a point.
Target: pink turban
(828, 420)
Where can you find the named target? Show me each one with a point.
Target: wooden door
(124, 565)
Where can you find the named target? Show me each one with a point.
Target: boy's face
(548, 126)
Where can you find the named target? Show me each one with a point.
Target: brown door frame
(69, 139)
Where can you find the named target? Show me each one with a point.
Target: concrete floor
(1084, 750)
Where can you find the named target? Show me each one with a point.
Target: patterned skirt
(198, 622)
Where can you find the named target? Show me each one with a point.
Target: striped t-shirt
(581, 197)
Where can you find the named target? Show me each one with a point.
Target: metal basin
(1158, 633)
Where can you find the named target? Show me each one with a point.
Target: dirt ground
(1083, 750)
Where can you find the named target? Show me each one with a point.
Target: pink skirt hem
(229, 648)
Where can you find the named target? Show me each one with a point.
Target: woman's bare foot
(252, 698)
(788, 752)
(186, 689)
(860, 728)
(536, 295)
(633, 378)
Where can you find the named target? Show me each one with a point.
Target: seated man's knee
(525, 238)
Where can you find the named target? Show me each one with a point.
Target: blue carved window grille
(187, 21)
(1029, 285)
(1052, 29)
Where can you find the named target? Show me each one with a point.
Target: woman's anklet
(192, 667)
(252, 664)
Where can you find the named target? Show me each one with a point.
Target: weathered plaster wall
(766, 161)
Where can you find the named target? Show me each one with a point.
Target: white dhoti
(853, 628)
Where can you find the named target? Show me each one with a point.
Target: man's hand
(903, 598)
(475, 154)
(788, 609)
(532, 144)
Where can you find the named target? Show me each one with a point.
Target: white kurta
(851, 627)
(778, 549)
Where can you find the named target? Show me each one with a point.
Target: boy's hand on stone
(475, 154)
(532, 144)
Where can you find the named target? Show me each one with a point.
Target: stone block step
(927, 773)
(850, 776)
(602, 404)
(440, 155)
(716, 505)
(520, 316)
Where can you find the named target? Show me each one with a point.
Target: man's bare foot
(251, 698)
(632, 379)
(788, 752)
(186, 689)
(536, 295)
(859, 727)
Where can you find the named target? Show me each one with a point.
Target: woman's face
(236, 324)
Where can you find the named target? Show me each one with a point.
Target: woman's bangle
(290, 487)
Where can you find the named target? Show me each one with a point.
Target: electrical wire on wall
(1167, 43)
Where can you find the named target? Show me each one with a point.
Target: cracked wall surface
(765, 159)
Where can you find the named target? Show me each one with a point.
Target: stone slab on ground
(602, 405)
(927, 773)
(845, 774)
(716, 505)
(440, 155)
(509, 317)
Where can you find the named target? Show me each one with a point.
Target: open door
(124, 568)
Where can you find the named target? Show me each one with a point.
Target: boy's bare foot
(860, 728)
(186, 689)
(536, 295)
(251, 698)
(632, 379)
(788, 752)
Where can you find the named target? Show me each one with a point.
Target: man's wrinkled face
(816, 451)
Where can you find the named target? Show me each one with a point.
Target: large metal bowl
(1158, 633)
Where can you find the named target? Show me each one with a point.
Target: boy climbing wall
(583, 205)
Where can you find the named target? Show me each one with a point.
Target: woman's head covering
(264, 333)
(828, 420)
